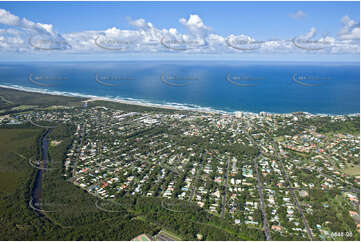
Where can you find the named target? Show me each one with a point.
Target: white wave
(142, 102)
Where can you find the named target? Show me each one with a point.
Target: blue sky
(212, 22)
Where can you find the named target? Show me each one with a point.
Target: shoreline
(151, 105)
(92, 98)
(171, 106)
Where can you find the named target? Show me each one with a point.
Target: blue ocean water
(329, 88)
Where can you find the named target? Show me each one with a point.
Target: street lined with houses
(271, 172)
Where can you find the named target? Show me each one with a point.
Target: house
(217, 193)
(352, 213)
(276, 228)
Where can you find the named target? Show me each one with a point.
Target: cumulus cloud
(27, 34)
(9, 19)
(350, 29)
(145, 37)
(195, 25)
(310, 34)
(297, 15)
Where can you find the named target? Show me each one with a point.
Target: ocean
(229, 86)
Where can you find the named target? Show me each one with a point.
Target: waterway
(36, 197)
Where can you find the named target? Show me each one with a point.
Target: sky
(295, 31)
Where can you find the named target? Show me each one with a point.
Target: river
(37, 188)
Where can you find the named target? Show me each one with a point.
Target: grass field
(353, 171)
(23, 107)
(142, 237)
(279, 139)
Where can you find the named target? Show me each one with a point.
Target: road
(194, 185)
(5, 100)
(177, 172)
(309, 233)
(333, 163)
(224, 198)
(260, 190)
(346, 183)
(79, 146)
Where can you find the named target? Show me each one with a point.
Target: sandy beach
(91, 98)
(172, 106)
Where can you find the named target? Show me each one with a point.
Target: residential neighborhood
(274, 172)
